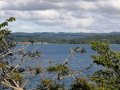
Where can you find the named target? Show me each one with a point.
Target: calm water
(57, 53)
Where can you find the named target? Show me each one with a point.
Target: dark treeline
(72, 38)
(113, 39)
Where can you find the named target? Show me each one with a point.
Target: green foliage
(4, 32)
(49, 85)
(110, 76)
(38, 70)
(81, 84)
(34, 54)
(2, 65)
(47, 82)
(76, 38)
(11, 19)
(15, 76)
(58, 68)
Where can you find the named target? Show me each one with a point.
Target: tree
(109, 77)
(14, 76)
(81, 84)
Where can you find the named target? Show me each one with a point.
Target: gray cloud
(86, 15)
(45, 4)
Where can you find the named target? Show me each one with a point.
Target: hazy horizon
(69, 32)
(87, 16)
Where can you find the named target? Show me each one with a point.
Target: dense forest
(72, 38)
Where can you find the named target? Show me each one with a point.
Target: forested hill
(113, 37)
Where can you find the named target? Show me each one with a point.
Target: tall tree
(109, 76)
(13, 75)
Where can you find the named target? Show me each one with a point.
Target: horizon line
(69, 32)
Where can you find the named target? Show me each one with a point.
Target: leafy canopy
(110, 76)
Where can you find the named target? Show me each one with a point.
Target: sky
(89, 16)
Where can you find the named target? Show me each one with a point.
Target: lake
(57, 53)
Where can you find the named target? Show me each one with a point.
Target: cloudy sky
(99, 16)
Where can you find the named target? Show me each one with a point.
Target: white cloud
(86, 5)
(75, 15)
(46, 14)
(3, 4)
(110, 3)
(115, 4)
(79, 22)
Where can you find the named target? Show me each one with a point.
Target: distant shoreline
(64, 38)
(33, 43)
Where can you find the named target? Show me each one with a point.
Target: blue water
(57, 53)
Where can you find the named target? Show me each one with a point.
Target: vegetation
(110, 37)
(81, 84)
(72, 38)
(14, 76)
(109, 77)
(17, 76)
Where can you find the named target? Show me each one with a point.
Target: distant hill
(45, 34)
(61, 37)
